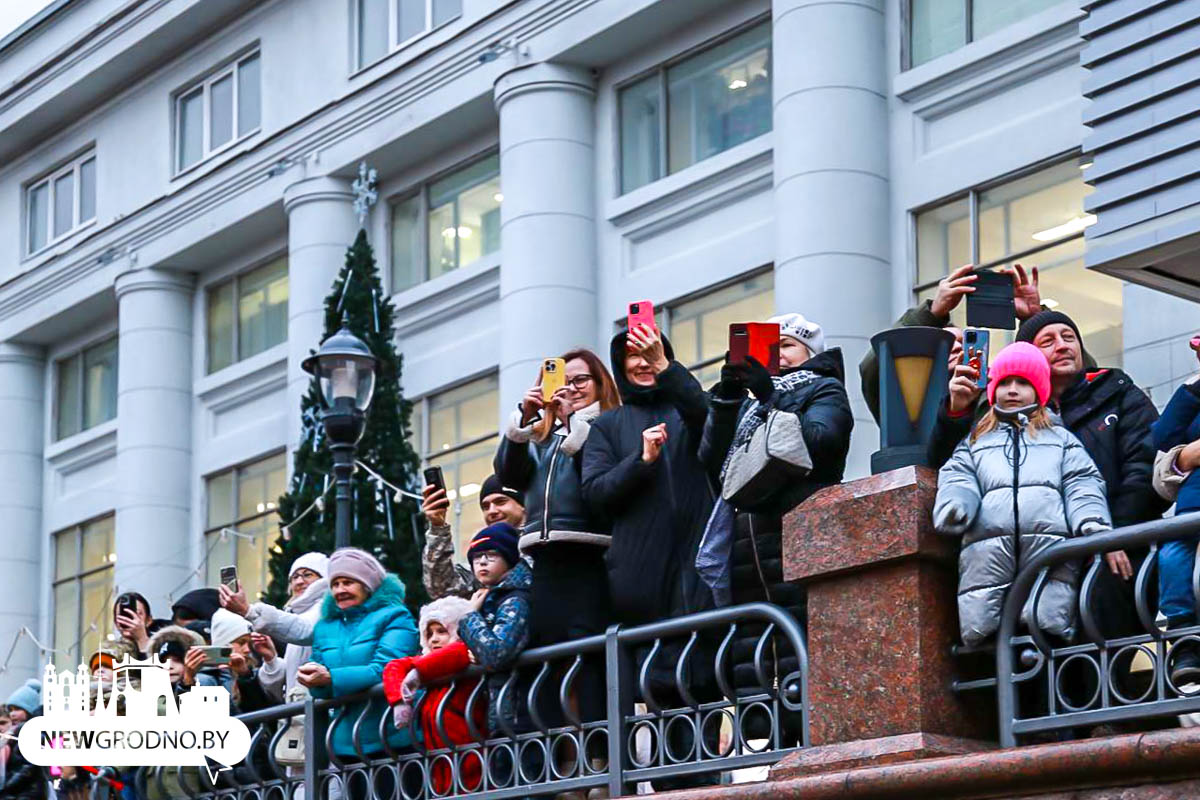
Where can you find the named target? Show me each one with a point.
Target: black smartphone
(976, 351)
(126, 605)
(991, 304)
(229, 578)
(434, 478)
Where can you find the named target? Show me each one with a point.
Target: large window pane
(463, 413)
(989, 16)
(69, 398)
(220, 326)
(247, 496)
(938, 26)
(87, 190)
(479, 221)
(249, 95)
(64, 204)
(100, 383)
(372, 30)
(943, 240)
(410, 19)
(445, 10)
(464, 216)
(262, 308)
(66, 554)
(443, 240)
(699, 329)
(641, 120)
(98, 544)
(407, 266)
(66, 624)
(94, 616)
(220, 500)
(719, 99)
(221, 112)
(39, 217)
(1041, 208)
(191, 128)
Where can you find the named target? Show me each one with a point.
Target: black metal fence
(684, 700)
(1118, 677)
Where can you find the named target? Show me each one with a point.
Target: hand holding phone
(757, 340)
(976, 351)
(229, 578)
(641, 312)
(992, 304)
(554, 377)
(216, 656)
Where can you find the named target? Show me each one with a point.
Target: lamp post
(345, 370)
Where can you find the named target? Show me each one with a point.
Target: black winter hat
(493, 486)
(1029, 328)
(198, 604)
(501, 538)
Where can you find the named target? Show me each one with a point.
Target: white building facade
(175, 177)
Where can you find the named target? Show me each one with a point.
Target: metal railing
(1098, 679)
(679, 706)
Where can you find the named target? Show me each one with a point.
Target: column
(154, 433)
(321, 226)
(548, 219)
(832, 260)
(22, 393)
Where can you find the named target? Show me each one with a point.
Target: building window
(696, 107)
(699, 328)
(937, 27)
(1037, 220)
(83, 584)
(247, 314)
(386, 25)
(219, 110)
(60, 203)
(86, 389)
(447, 224)
(457, 431)
(243, 499)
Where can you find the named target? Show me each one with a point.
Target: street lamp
(345, 369)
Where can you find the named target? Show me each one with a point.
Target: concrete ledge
(1162, 765)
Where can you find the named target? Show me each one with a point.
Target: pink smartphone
(1195, 342)
(642, 313)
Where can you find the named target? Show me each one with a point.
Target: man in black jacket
(1111, 416)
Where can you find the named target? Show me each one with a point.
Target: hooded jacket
(1180, 425)
(355, 644)
(1011, 495)
(496, 634)
(549, 473)
(1111, 416)
(292, 625)
(659, 510)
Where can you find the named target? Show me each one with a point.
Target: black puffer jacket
(22, 780)
(549, 474)
(1111, 416)
(658, 510)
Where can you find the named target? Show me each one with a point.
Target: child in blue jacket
(1178, 426)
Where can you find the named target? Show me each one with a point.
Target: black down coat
(658, 511)
(757, 555)
(22, 780)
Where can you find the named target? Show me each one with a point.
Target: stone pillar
(321, 227)
(882, 617)
(154, 433)
(22, 395)
(548, 220)
(832, 203)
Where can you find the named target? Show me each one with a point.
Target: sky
(14, 12)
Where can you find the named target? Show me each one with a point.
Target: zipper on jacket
(1016, 437)
(550, 480)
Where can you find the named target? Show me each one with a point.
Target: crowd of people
(622, 499)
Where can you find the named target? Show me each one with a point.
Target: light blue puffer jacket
(355, 644)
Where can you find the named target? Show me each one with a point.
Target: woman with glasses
(543, 458)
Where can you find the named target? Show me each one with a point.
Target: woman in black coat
(811, 386)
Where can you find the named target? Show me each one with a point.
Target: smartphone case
(757, 339)
(982, 348)
(991, 304)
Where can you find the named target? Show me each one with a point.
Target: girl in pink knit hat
(1018, 484)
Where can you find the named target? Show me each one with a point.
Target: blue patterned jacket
(496, 635)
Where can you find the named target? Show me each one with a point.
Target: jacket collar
(1091, 390)
(389, 593)
(519, 577)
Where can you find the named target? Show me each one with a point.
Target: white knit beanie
(317, 562)
(227, 627)
(806, 333)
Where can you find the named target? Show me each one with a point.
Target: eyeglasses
(486, 557)
(579, 381)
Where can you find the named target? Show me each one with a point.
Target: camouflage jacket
(442, 577)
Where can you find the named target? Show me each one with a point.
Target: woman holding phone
(541, 455)
(811, 385)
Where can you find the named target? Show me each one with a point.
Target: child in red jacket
(443, 655)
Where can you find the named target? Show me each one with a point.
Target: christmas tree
(383, 524)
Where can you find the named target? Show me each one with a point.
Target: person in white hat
(293, 624)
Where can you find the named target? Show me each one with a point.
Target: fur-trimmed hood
(174, 633)
(390, 593)
(446, 610)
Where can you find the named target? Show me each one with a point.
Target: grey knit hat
(350, 562)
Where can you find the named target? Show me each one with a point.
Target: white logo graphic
(137, 724)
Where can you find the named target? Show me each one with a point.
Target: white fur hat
(446, 610)
(806, 333)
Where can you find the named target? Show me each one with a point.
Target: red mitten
(393, 677)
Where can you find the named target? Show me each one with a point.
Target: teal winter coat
(354, 645)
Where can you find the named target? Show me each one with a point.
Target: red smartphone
(641, 312)
(757, 339)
